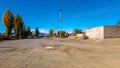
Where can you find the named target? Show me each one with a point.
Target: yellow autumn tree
(7, 21)
(18, 25)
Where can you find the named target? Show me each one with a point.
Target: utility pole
(60, 22)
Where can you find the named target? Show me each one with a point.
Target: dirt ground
(31, 53)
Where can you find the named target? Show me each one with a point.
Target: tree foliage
(1, 36)
(36, 32)
(63, 34)
(18, 25)
(28, 31)
(51, 33)
(24, 32)
(7, 21)
(77, 31)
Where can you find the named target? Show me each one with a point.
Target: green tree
(63, 34)
(28, 31)
(7, 21)
(36, 32)
(24, 32)
(77, 31)
(18, 26)
(51, 33)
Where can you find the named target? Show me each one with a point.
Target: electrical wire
(100, 11)
(78, 7)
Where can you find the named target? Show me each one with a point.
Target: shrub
(4, 37)
(85, 37)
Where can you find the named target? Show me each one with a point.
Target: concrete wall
(95, 32)
(104, 32)
(111, 31)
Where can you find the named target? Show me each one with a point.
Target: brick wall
(111, 31)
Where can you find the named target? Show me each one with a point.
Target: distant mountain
(45, 34)
(40, 33)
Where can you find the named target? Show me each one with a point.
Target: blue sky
(81, 14)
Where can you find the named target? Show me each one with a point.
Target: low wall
(80, 35)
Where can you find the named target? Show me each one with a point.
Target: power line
(99, 11)
(78, 7)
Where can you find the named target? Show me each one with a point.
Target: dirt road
(31, 53)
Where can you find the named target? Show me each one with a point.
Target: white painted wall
(95, 32)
